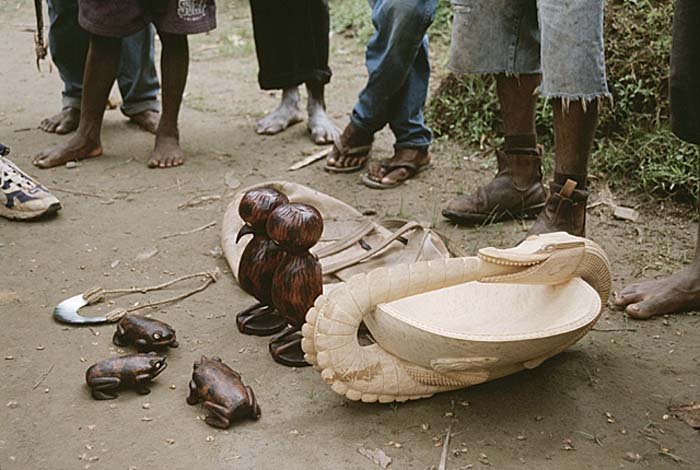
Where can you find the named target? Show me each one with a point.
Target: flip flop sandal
(260, 320)
(359, 152)
(412, 168)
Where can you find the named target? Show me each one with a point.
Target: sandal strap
(389, 166)
(347, 151)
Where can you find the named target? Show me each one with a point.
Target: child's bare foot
(674, 294)
(167, 153)
(77, 147)
(62, 123)
(322, 129)
(147, 120)
(286, 114)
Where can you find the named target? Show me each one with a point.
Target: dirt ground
(592, 407)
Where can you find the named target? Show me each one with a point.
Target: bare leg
(322, 129)
(100, 72)
(174, 63)
(62, 123)
(286, 114)
(677, 293)
(574, 131)
(518, 102)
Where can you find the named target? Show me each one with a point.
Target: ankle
(581, 180)
(518, 143)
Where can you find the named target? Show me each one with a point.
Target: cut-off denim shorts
(561, 39)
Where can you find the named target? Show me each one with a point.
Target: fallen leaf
(626, 213)
(146, 255)
(688, 413)
(199, 201)
(8, 297)
(376, 456)
(231, 181)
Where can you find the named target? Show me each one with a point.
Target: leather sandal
(403, 158)
(352, 143)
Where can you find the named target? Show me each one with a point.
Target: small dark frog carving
(147, 334)
(223, 393)
(134, 371)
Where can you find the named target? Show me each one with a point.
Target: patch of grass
(352, 18)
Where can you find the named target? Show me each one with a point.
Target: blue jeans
(399, 71)
(69, 43)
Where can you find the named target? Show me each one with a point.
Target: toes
(628, 296)
(395, 176)
(49, 126)
(40, 161)
(64, 128)
(644, 309)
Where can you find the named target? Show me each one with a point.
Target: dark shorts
(685, 71)
(121, 18)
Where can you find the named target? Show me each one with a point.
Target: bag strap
(344, 243)
(340, 265)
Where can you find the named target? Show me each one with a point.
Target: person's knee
(407, 15)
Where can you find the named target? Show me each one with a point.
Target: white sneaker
(20, 196)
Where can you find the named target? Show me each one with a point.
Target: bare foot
(286, 114)
(167, 153)
(147, 120)
(677, 293)
(77, 148)
(322, 129)
(62, 123)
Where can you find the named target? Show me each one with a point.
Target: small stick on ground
(591, 380)
(613, 329)
(72, 191)
(445, 449)
(43, 377)
(189, 232)
(311, 159)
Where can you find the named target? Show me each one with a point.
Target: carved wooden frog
(147, 334)
(133, 371)
(223, 393)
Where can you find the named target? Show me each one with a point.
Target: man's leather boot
(565, 211)
(515, 192)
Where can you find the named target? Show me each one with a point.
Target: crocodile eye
(156, 335)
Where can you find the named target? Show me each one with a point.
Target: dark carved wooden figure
(134, 371)
(298, 280)
(147, 334)
(258, 262)
(222, 392)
